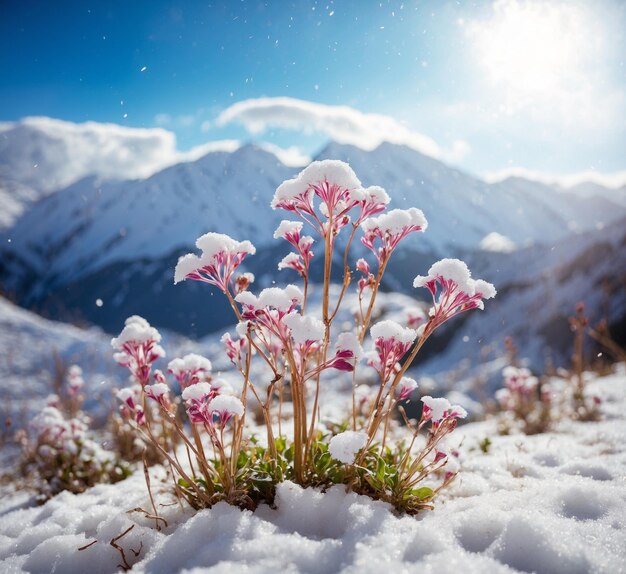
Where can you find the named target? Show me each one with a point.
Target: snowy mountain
(102, 250)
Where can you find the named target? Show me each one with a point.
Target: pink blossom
(129, 398)
(269, 309)
(234, 348)
(138, 348)
(225, 407)
(332, 182)
(453, 290)
(75, 379)
(391, 342)
(221, 256)
(388, 229)
(406, 387)
(190, 370)
(348, 350)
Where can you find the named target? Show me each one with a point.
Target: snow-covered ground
(553, 503)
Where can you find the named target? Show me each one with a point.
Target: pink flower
(391, 342)
(348, 351)
(190, 370)
(130, 404)
(225, 407)
(333, 183)
(138, 348)
(389, 229)
(158, 392)
(439, 409)
(406, 388)
(374, 199)
(221, 256)
(453, 290)
(269, 309)
(75, 379)
(234, 348)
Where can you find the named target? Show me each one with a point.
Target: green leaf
(423, 493)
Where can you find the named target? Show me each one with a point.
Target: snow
(551, 503)
(191, 362)
(345, 445)
(334, 172)
(138, 330)
(280, 299)
(304, 329)
(437, 407)
(391, 330)
(226, 404)
(396, 221)
(497, 242)
(196, 392)
(451, 270)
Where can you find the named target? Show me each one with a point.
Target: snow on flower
(453, 290)
(374, 199)
(435, 409)
(129, 397)
(406, 387)
(345, 446)
(348, 350)
(221, 256)
(292, 261)
(138, 348)
(289, 230)
(415, 317)
(440, 408)
(197, 392)
(157, 392)
(269, 309)
(226, 406)
(390, 228)
(189, 370)
(234, 347)
(305, 330)
(335, 185)
(75, 379)
(391, 341)
(283, 300)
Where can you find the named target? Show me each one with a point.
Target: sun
(531, 49)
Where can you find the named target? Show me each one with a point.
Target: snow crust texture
(552, 503)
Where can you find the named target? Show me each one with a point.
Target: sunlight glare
(531, 48)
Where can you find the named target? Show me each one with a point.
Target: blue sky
(485, 85)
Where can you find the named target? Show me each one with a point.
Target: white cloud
(67, 152)
(343, 124)
(613, 180)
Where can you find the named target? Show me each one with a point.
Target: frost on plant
(289, 350)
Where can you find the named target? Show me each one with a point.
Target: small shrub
(60, 453)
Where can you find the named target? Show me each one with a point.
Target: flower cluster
(221, 256)
(453, 290)
(285, 352)
(61, 453)
(138, 348)
(524, 400)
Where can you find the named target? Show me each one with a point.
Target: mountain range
(100, 249)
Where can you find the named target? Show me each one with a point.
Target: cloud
(613, 180)
(343, 124)
(66, 152)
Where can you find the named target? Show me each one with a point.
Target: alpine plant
(288, 351)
